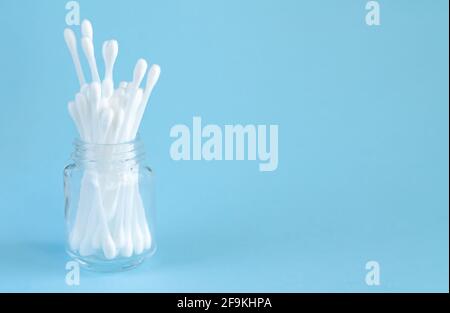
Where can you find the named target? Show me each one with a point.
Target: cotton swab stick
(141, 233)
(71, 42)
(136, 232)
(82, 214)
(131, 109)
(96, 217)
(106, 117)
(118, 224)
(106, 120)
(108, 245)
(95, 95)
(134, 97)
(101, 236)
(88, 49)
(115, 129)
(82, 107)
(89, 221)
(110, 51)
(127, 249)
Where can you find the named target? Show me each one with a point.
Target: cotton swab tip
(86, 29)
(95, 92)
(71, 41)
(153, 76)
(71, 107)
(110, 50)
(139, 72)
(152, 79)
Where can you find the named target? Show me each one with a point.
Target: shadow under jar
(109, 206)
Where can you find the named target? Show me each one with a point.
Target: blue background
(363, 144)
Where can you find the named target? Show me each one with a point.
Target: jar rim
(94, 153)
(80, 142)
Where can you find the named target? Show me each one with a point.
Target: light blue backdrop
(363, 143)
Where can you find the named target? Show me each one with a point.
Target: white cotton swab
(138, 75)
(152, 79)
(131, 111)
(82, 107)
(71, 41)
(141, 236)
(95, 95)
(115, 129)
(118, 223)
(88, 49)
(110, 51)
(128, 247)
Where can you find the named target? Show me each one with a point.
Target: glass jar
(109, 207)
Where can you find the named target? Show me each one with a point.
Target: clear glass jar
(109, 206)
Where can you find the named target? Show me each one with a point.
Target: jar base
(109, 266)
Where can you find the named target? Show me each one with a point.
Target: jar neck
(100, 155)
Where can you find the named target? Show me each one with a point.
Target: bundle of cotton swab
(110, 219)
